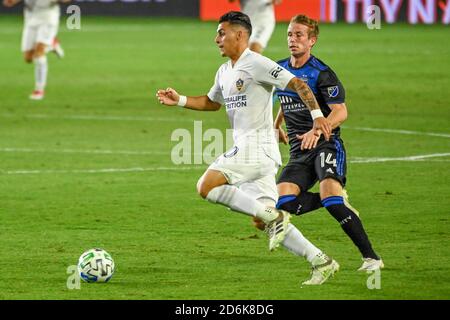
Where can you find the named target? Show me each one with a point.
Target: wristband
(316, 113)
(182, 101)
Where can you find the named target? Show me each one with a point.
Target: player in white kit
(41, 21)
(262, 17)
(243, 178)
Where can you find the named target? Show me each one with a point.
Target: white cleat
(37, 95)
(370, 264)
(321, 273)
(347, 203)
(277, 229)
(57, 49)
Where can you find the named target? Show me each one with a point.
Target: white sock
(40, 72)
(319, 259)
(296, 243)
(237, 200)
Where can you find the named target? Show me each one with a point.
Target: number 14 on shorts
(328, 160)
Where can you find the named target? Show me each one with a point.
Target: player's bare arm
(308, 98)
(337, 116)
(278, 125)
(10, 3)
(170, 97)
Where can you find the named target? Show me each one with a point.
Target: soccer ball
(96, 265)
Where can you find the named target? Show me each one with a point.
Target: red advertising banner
(331, 11)
(350, 11)
(213, 9)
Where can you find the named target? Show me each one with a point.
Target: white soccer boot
(276, 229)
(37, 95)
(57, 49)
(370, 264)
(322, 272)
(347, 203)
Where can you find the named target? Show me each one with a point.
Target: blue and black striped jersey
(327, 89)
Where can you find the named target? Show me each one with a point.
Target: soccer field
(90, 166)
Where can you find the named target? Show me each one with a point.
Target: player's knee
(39, 51)
(203, 188)
(330, 187)
(209, 181)
(203, 193)
(286, 188)
(259, 224)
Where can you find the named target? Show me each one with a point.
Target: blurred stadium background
(89, 166)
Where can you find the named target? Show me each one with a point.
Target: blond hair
(312, 24)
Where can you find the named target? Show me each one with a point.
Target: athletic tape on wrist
(316, 113)
(182, 101)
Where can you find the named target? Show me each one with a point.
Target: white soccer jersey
(262, 17)
(246, 91)
(251, 6)
(39, 12)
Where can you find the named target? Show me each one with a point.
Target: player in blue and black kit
(312, 158)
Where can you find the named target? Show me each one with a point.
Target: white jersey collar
(244, 53)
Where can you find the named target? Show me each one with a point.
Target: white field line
(106, 170)
(107, 152)
(118, 152)
(177, 119)
(102, 118)
(410, 158)
(433, 134)
(190, 167)
(145, 153)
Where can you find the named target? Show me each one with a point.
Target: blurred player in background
(262, 17)
(312, 157)
(41, 22)
(243, 178)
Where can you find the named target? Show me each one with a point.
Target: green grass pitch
(71, 178)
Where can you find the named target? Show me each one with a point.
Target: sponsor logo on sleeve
(333, 91)
(275, 72)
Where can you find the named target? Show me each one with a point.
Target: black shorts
(326, 160)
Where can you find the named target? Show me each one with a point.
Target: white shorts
(255, 174)
(42, 33)
(263, 24)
